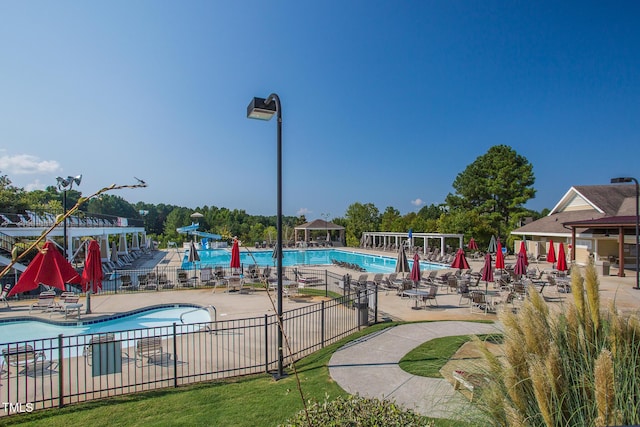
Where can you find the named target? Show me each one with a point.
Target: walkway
(369, 367)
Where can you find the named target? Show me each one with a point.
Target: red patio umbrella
(415, 269)
(551, 255)
(521, 266)
(562, 261)
(523, 249)
(472, 245)
(235, 255)
(460, 261)
(487, 269)
(499, 257)
(92, 273)
(49, 268)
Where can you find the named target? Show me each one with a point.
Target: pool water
(15, 331)
(371, 263)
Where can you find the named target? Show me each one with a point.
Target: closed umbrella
(122, 247)
(551, 255)
(499, 257)
(135, 242)
(520, 268)
(402, 264)
(493, 248)
(460, 261)
(48, 267)
(114, 253)
(562, 261)
(92, 273)
(487, 270)
(523, 250)
(472, 245)
(104, 248)
(235, 255)
(415, 269)
(193, 253)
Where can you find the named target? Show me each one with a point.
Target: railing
(80, 219)
(63, 370)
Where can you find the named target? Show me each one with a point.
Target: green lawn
(249, 401)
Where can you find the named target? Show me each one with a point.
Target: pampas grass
(574, 367)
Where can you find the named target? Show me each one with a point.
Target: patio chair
(97, 340)
(149, 349)
(479, 302)
(234, 283)
(23, 356)
(206, 277)
(3, 295)
(431, 296)
(46, 301)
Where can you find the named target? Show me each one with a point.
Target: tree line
(488, 199)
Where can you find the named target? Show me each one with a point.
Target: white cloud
(417, 202)
(26, 164)
(303, 211)
(35, 185)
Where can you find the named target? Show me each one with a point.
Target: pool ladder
(210, 309)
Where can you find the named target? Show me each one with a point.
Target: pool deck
(234, 305)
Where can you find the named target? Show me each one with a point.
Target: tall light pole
(264, 109)
(64, 185)
(630, 179)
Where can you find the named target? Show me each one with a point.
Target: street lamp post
(264, 109)
(630, 179)
(64, 185)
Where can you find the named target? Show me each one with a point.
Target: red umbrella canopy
(415, 269)
(521, 266)
(48, 267)
(92, 273)
(235, 254)
(562, 261)
(523, 250)
(460, 261)
(472, 244)
(551, 255)
(487, 269)
(499, 257)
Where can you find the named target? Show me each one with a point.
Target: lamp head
(621, 180)
(62, 182)
(259, 109)
(77, 179)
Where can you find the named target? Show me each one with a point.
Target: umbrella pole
(89, 299)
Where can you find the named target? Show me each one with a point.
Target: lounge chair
(97, 340)
(126, 282)
(3, 295)
(23, 356)
(149, 349)
(46, 301)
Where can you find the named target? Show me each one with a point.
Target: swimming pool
(161, 318)
(290, 257)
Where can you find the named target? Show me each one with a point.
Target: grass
(427, 359)
(248, 401)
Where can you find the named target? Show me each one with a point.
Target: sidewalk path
(369, 367)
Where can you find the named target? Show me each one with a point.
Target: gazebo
(329, 229)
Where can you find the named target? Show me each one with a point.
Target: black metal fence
(63, 370)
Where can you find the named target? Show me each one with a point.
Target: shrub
(356, 411)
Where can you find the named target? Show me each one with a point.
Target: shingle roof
(320, 224)
(610, 198)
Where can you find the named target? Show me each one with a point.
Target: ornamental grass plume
(572, 367)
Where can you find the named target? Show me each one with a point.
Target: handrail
(209, 308)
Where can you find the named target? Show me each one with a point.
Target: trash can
(106, 357)
(362, 305)
(603, 267)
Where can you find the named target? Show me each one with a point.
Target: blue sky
(383, 102)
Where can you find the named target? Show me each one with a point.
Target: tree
(360, 218)
(107, 204)
(496, 184)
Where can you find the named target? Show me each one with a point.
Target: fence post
(60, 373)
(266, 344)
(375, 316)
(326, 283)
(175, 359)
(322, 325)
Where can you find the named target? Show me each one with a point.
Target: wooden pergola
(319, 224)
(622, 224)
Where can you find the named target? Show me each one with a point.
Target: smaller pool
(31, 330)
